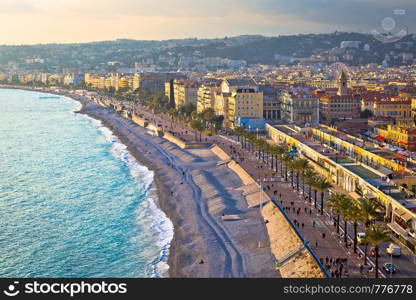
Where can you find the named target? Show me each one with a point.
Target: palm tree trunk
(285, 173)
(292, 178)
(355, 236)
(365, 253)
(303, 186)
(322, 203)
(310, 194)
(345, 233)
(338, 217)
(376, 251)
(275, 162)
(297, 181)
(316, 192)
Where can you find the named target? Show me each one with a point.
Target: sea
(74, 202)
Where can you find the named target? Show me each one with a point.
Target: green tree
(335, 203)
(368, 212)
(322, 185)
(196, 125)
(375, 235)
(309, 178)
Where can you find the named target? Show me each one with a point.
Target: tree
(344, 206)
(278, 151)
(291, 166)
(309, 177)
(300, 165)
(207, 115)
(172, 112)
(218, 121)
(196, 125)
(368, 212)
(355, 216)
(375, 235)
(365, 114)
(335, 203)
(286, 159)
(322, 185)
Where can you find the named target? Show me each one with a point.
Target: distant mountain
(254, 49)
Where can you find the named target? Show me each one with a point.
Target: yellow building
(398, 109)
(239, 98)
(206, 97)
(185, 92)
(400, 136)
(123, 83)
(92, 80)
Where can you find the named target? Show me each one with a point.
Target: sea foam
(158, 222)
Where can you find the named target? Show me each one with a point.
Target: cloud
(13, 6)
(83, 20)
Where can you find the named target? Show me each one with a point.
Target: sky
(65, 21)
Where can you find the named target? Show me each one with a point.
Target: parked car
(389, 268)
(372, 252)
(394, 250)
(361, 237)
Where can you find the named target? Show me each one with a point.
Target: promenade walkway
(318, 230)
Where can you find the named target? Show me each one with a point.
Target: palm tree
(355, 216)
(300, 165)
(280, 151)
(335, 203)
(286, 159)
(368, 212)
(345, 206)
(322, 185)
(197, 125)
(375, 235)
(291, 166)
(309, 177)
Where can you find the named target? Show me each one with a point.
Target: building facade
(299, 108)
(271, 102)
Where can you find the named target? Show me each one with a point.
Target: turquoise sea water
(73, 201)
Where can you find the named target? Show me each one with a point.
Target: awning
(404, 215)
(402, 143)
(397, 229)
(379, 137)
(355, 195)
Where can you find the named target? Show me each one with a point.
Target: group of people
(337, 267)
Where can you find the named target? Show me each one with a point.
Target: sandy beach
(194, 195)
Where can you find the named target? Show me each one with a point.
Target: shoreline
(159, 187)
(152, 196)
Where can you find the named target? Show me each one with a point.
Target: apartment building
(206, 96)
(397, 108)
(299, 107)
(184, 92)
(397, 135)
(342, 105)
(154, 81)
(238, 98)
(271, 102)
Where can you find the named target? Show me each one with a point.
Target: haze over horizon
(74, 21)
